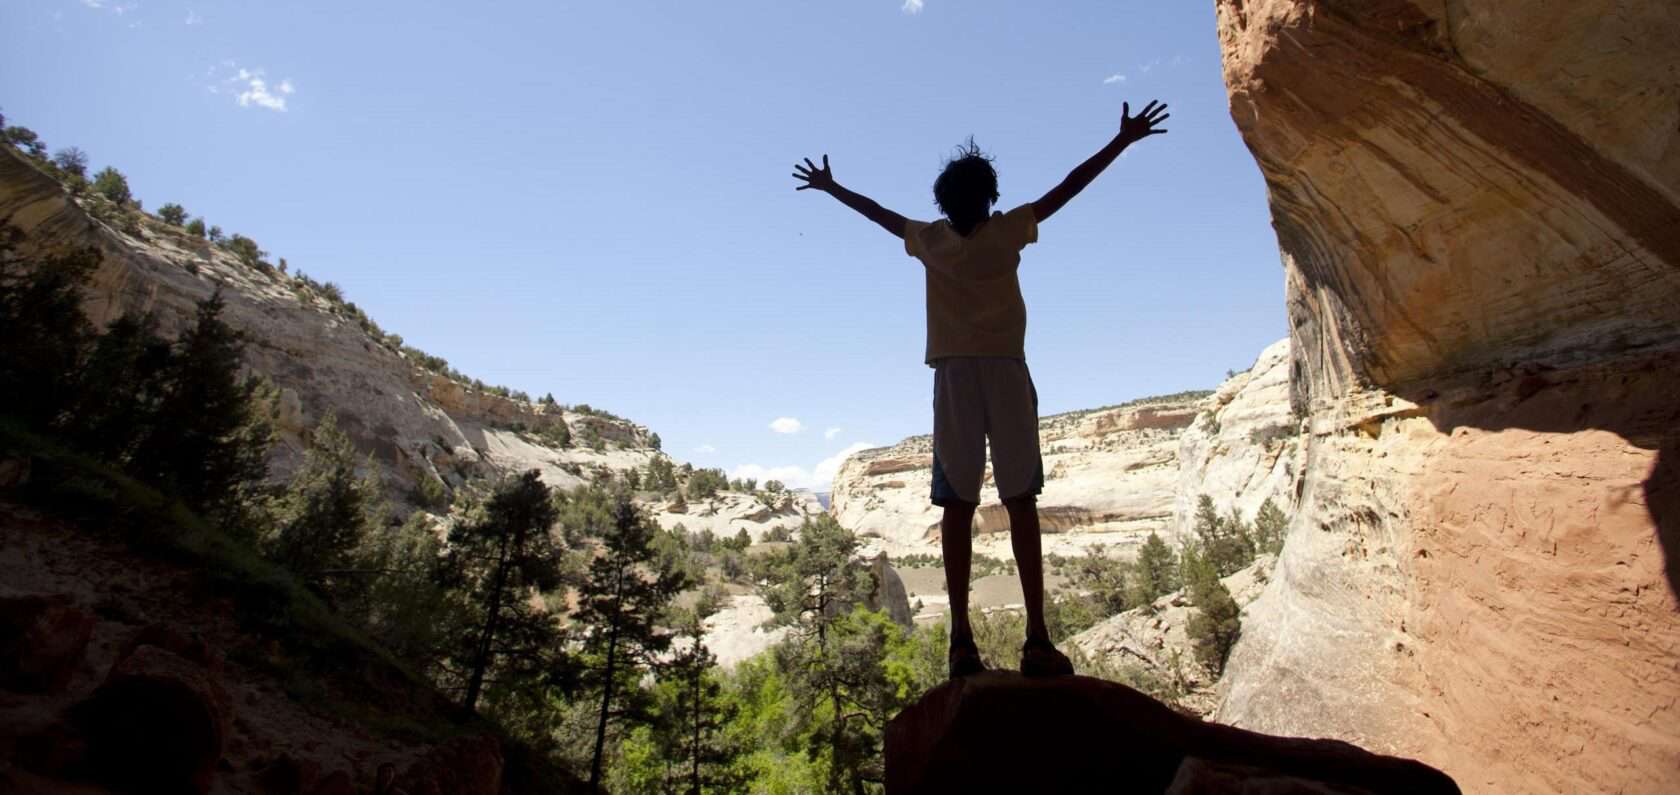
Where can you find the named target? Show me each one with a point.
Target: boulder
(157, 724)
(42, 641)
(1003, 732)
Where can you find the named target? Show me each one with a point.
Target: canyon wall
(1478, 209)
(413, 421)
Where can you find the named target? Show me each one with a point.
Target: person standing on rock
(976, 332)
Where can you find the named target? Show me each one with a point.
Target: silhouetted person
(976, 331)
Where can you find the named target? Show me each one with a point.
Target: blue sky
(594, 200)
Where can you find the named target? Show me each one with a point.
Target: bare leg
(956, 531)
(1023, 536)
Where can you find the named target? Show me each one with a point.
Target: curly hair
(967, 187)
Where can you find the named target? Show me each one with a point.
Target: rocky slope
(126, 674)
(413, 421)
(1156, 637)
(1478, 208)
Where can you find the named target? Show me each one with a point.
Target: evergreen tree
(209, 443)
(628, 590)
(690, 734)
(111, 184)
(1156, 572)
(329, 511)
(1103, 579)
(26, 140)
(1270, 525)
(809, 586)
(173, 214)
(247, 251)
(215, 234)
(1224, 542)
(1215, 620)
(499, 557)
(405, 607)
(46, 335)
(195, 227)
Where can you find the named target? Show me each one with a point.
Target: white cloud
(1148, 66)
(250, 88)
(831, 433)
(786, 425)
(911, 7)
(193, 18)
(705, 448)
(1114, 78)
(817, 478)
(116, 8)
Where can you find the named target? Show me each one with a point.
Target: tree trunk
(607, 688)
(694, 785)
(493, 608)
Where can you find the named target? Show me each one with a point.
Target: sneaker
(1040, 658)
(965, 659)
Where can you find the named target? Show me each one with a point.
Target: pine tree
(111, 184)
(810, 586)
(1156, 572)
(499, 557)
(209, 443)
(46, 335)
(1270, 525)
(694, 713)
(329, 511)
(628, 590)
(173, 214)
(1215, 621)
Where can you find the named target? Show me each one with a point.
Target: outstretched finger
(1154, 132)
(1160, 119)
(805, 177)
(809, 164)
(825, 161)
(1125, 110)
(803, 187)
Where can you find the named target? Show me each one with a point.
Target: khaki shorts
(975, 399)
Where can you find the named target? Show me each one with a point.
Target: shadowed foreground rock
(1002, 732)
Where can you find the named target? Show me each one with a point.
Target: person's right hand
(820, 178)
(1136, 128)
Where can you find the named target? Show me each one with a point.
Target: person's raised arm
(822, 179)
(1132, 129)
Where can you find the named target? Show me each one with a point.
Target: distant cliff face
(1478, 208)
(1112, 475)
(1109, 478)
(412, 420)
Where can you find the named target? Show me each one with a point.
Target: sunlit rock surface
(1476, 203)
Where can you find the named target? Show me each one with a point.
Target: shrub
(172, 214)
(111, 184)
(247, 251)
(430, 492)
(195, 227)
(215, 234)
(1215, 622)
(26, 140)
(71, 161)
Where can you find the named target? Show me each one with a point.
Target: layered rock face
(1109, 478)
(1245, 448)
(413, 421)
(1478, 207)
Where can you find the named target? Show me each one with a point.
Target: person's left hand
(1141, 126)
(820, 178)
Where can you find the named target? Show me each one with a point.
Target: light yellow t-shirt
(974, 305)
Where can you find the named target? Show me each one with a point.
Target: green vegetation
(328, 513)
(111, 184)
(173, 214)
